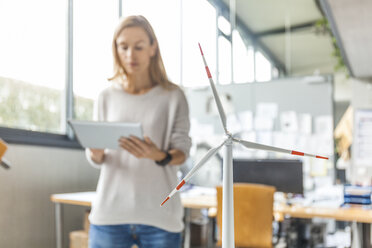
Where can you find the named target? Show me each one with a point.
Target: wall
(26, 213)
(313, 95)
(306, 95)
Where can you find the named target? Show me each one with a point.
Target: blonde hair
(157, 71)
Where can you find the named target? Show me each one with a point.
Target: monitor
(285, 175)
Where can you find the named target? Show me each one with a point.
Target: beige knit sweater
(130, 190)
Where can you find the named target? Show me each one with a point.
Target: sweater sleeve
(180, 138)
(98, 115)
(91, 162)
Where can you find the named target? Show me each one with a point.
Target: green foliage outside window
(36, 108)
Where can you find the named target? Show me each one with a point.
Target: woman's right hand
(97, 155)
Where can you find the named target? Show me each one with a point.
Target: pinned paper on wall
(280, 140)
(241, 152)
(324, 125)
(323, 143)
(246, 120)
(318, 168)
(266, 138)
(363, 137)
(226, 100)
(288, 121)
(284, 140)
(262, 123)
(234, 123)
(267, 109)
(304, 123)
(200, 131)
(303, 142)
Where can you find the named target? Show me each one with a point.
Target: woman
(137, 177)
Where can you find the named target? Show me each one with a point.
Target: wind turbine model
(228, 198)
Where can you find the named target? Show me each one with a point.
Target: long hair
(157, 71)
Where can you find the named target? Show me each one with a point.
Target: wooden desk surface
(85, 199)
(78, 198)
(357, 214)
(209, 201)
(203, 201)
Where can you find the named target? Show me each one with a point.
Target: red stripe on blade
(180, 185)
(297, 153)
(165, 201)
(321, 157)
(208, 72)
(200, 49)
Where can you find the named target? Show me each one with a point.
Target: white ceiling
(263, 15)
(352, 21)
(309, 52)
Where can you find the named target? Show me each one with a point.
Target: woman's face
(134, 50)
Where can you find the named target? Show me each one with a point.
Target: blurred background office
(292, 74)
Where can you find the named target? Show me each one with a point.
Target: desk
(341, 214)
(80, 199)
(356, 215)
(85, 199)
(361, 218)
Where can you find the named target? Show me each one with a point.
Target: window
(275, 72)
(33, 58)
(32, 64)
(224, 60)
(92, 53)
(243, 60)
(263, 68)
(224, 25)
(198, 26)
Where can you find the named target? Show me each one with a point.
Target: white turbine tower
(228, 198)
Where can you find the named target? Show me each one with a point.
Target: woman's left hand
(142, 148)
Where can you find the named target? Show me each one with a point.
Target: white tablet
(101, 135)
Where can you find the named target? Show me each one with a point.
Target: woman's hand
(142, 148)
(97, 155)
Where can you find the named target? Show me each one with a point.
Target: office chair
(253, 214)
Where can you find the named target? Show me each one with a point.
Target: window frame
(26, 137)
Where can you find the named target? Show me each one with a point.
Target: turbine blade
(215, 93)
(257, 146)
(205, 159)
